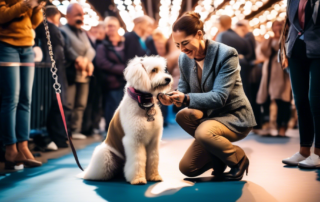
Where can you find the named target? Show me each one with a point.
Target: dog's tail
(102, 165)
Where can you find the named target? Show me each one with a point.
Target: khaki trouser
(212, 146)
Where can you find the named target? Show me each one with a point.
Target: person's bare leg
(317, 151)
(23, 148)
(305, 151)
(11, 152)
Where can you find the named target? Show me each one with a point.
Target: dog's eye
(155, 70)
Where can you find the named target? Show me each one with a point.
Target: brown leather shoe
(31, 163)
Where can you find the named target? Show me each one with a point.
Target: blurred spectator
(54, 123)
(242, 28)
(79, 56)
(96, 34)
(53, 15)
(275, 83)
(135, 42)
(94, 111)
(231, 38)
(111, 62)
(17, 19)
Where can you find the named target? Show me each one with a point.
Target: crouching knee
(186, 169)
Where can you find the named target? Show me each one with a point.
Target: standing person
(93, 112)
(275, 83)
(136, 42)
(303, 51)
(17, 19)
(79, 56)
(111, 63)
(231, 38)
(218, 111)
(54, 124)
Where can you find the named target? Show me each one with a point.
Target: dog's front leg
(153, 161)
(135, 166)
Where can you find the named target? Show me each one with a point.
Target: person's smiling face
(187, 44)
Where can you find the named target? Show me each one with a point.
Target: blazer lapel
(208, 61)
(294, 5)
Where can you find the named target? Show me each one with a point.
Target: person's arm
(90, 54)
(266, 48)
(223, 85)
(183, 85)
(37, 16)
(8, 13)
(106, 65)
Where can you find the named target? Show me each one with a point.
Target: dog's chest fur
(131, 120)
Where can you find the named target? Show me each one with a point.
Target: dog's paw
(139, 181)
(155, 178)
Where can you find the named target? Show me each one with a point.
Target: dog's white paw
(155, 178)
(140, 180)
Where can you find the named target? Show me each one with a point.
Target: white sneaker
(78, 136)
(313, 161)
(294, 160)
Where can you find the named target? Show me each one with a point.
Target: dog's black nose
(168, 80)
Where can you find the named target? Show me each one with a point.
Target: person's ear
(200, 34)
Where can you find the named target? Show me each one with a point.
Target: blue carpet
(268, 180)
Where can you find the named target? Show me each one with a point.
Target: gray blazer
(220, 94)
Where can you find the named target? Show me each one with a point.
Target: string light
(239, 10)
(168, 12)
(91, 18)
(129, 11)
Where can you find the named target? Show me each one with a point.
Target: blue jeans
(16, 89)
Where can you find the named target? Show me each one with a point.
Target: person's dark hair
(51, 11)
(189, 23)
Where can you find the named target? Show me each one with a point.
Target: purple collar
(145, 100)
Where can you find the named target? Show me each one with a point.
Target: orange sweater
(17, 21)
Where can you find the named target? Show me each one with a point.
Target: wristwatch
(185, 100)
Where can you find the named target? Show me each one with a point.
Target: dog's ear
(136, 75)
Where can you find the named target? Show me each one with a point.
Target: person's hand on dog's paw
(177, 98)
(164, 99)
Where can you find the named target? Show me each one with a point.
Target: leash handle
(57, 86)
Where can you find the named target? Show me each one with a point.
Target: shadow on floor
(119, 190)
(271, 140)
(202, 189)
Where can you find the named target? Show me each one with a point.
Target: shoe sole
(290, 164)
(306, 166)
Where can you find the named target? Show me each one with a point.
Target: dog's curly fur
(141, 138)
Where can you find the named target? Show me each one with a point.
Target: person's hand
(177, 98)
(81, 63)
(90, 69)
(42, 4)
(165, 99)
(31, 3)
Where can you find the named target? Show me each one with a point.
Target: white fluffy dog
(133, 139)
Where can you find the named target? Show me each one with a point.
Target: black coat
(311, 31)
(133, 47)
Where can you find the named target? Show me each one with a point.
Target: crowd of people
(90, 70)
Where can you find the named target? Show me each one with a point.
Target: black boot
(237, 171)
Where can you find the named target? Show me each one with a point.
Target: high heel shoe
(237, 171)
(30, 163)
(218, 167)
(12, 166)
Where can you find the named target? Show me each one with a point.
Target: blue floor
(57, 181)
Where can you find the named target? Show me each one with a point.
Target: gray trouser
(77, 101)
